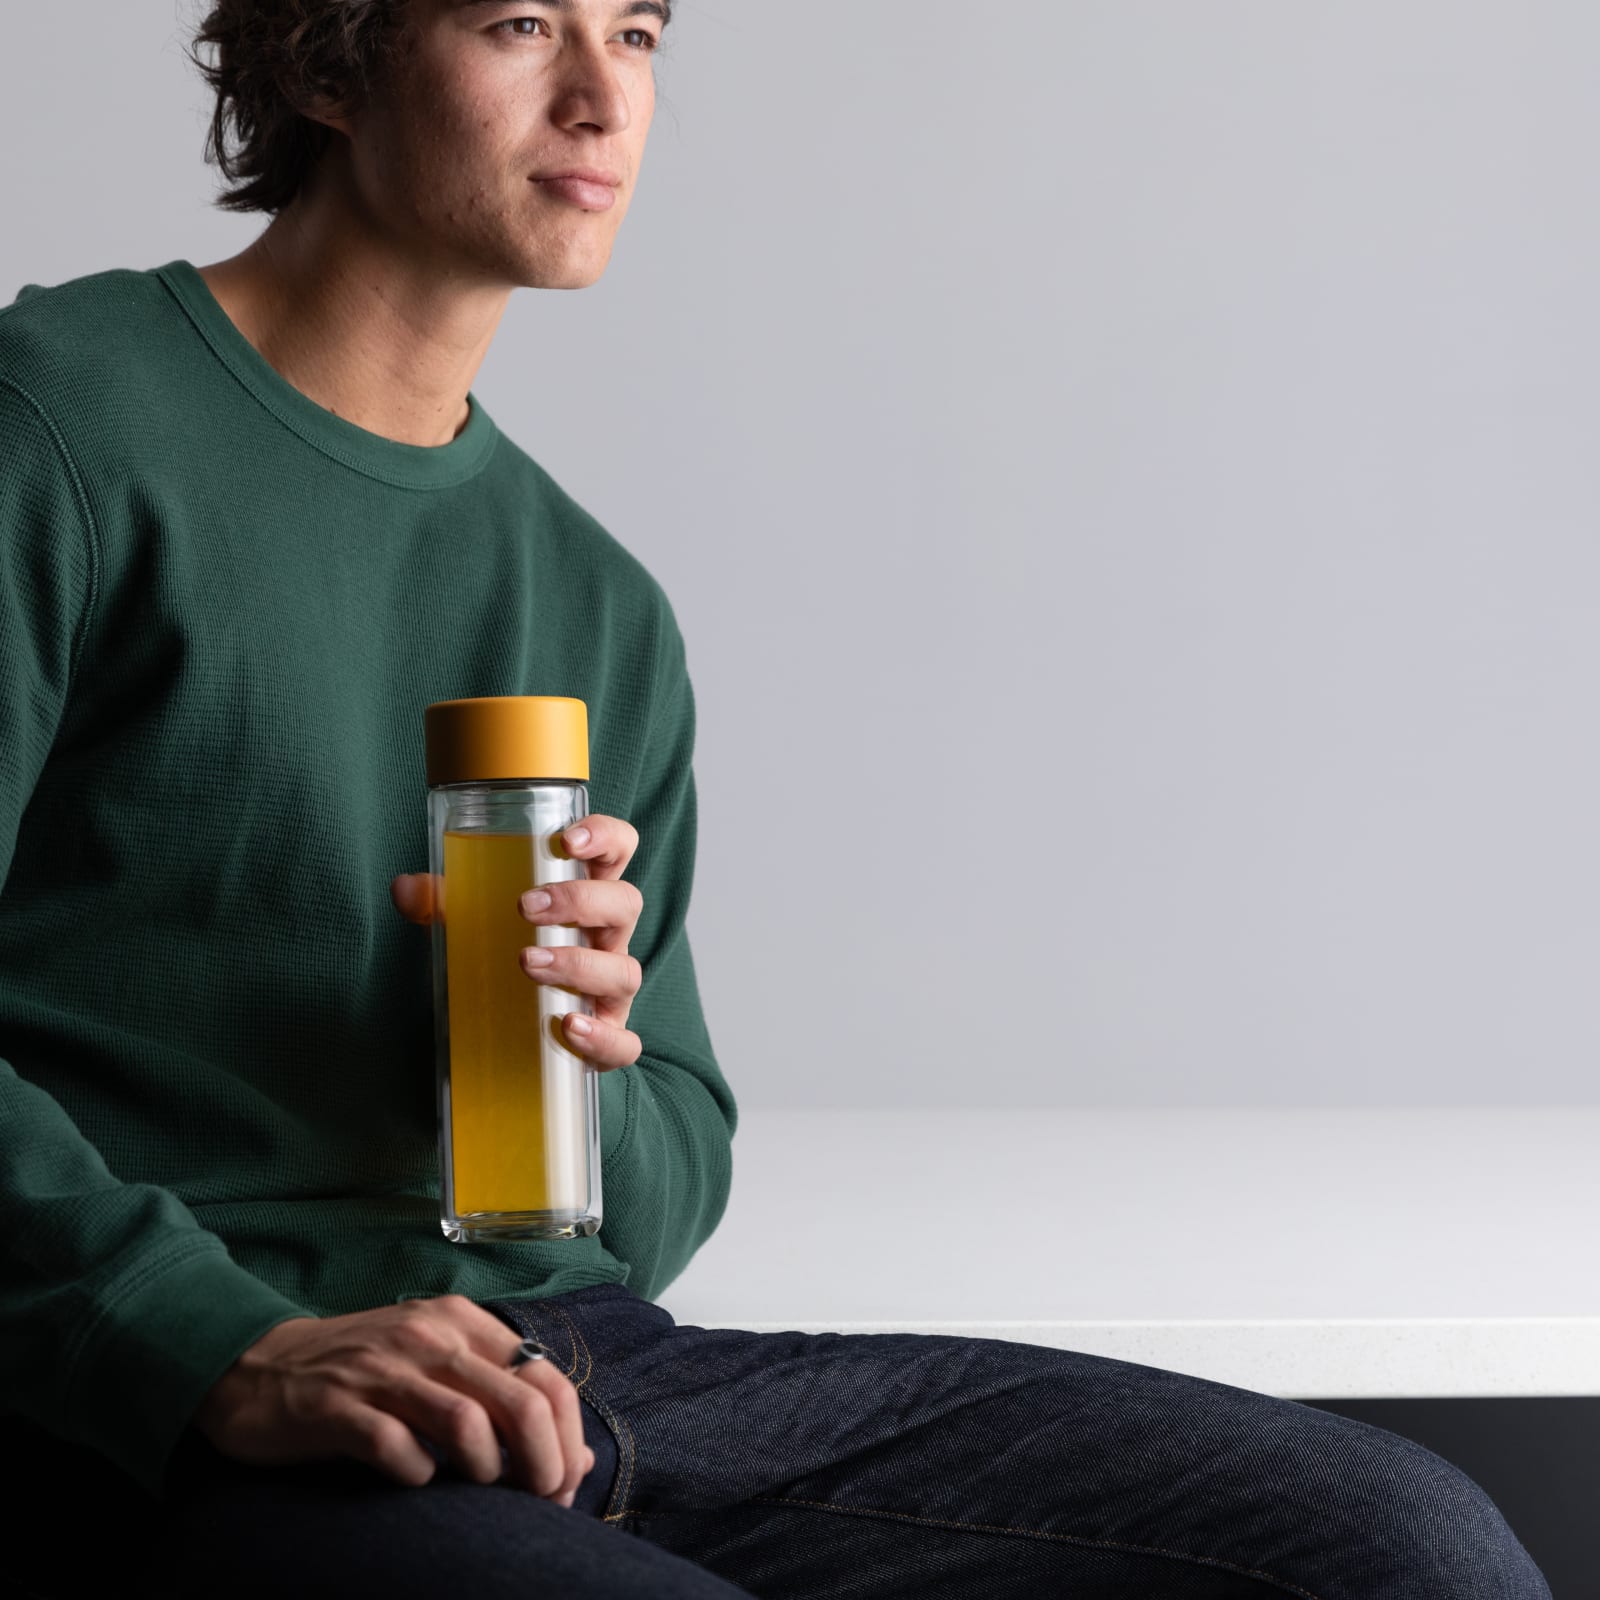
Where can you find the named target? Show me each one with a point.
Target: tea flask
(518, 1110)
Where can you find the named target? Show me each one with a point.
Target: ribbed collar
(410, 466)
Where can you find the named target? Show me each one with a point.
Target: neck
(387, 341)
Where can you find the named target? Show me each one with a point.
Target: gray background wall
(1126, 471)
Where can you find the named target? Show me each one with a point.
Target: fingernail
(577, 837)
(579, 1023)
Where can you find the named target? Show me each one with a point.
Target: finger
(562, 1398)
(488, 1339)
(454, 1417)
(609, 847)
(609, 908)
(487, 1336)
(491, 1339)
(485, 1333)
(604, 1045)
(605, 974)
(568, 1420)
(376, 1437)
(528, 1416)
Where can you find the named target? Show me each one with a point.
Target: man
(253, 521)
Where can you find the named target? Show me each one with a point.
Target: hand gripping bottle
(519, 1112)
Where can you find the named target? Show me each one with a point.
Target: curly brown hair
(273, 58)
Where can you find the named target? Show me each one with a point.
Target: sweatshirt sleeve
(666, 1183)
(117, 1310)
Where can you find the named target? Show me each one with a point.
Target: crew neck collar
(409, 466)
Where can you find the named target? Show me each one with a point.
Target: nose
(592, 93)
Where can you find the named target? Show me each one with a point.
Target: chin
(565, 274)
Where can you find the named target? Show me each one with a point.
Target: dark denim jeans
(892, 1466)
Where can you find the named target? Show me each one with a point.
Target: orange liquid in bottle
(518, 1133)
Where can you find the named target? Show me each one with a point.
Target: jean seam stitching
(1035, 1533)
(619, 1425)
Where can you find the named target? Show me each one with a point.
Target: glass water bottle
(519, 1112)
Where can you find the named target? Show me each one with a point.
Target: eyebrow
(637, 8)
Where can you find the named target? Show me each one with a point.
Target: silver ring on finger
(528, 1350)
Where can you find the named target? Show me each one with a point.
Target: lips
(584, 192)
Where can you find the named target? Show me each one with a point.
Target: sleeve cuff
(155, 1353)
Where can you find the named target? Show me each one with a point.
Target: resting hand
(367, 1383)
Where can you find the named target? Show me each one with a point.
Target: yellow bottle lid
(507, 736)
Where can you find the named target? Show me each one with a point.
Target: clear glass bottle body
(519, 1112)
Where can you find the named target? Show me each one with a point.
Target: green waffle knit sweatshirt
(223, 609)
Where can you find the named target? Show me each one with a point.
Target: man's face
(484, 96)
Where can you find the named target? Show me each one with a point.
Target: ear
(331, 113)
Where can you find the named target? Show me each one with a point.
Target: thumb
(414, 897)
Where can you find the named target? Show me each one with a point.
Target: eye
(510, 25)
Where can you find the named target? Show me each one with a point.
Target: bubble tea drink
(519, 1113)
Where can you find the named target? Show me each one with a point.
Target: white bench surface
(1308, 1253)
